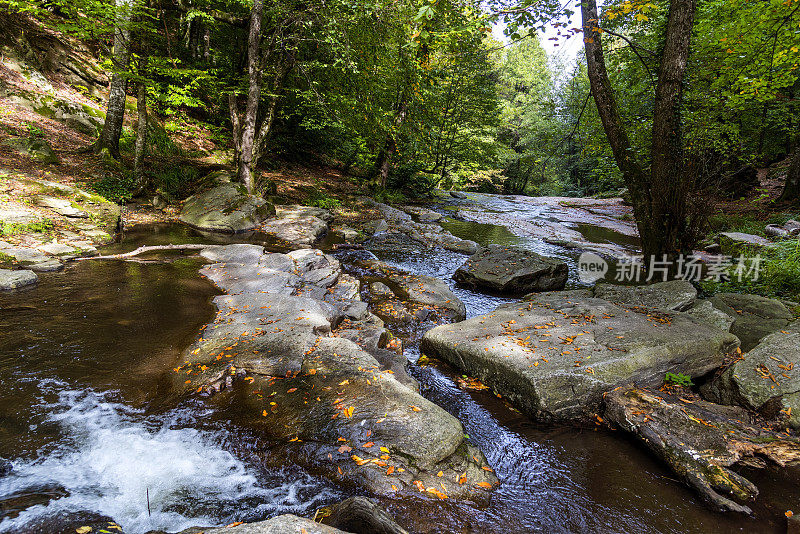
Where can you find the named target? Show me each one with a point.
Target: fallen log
(143, 250)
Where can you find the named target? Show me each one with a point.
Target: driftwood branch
(144, 249)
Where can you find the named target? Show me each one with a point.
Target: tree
(791, 190)
(115, 111)
(660, 193)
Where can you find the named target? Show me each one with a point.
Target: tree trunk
(115, 113)
(245, 163)
(265, 130)
(141, 135)
(384, 162)
(791, 190)
(659, 198)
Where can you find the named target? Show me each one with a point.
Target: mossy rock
(35, 148)
(225, 208)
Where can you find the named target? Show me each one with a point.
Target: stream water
(89, 432)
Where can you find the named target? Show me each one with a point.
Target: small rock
(15, 279)
(36, 149)
(458, 194)
(48, 266)
(380, 290)
(57, 249)
(376, 226)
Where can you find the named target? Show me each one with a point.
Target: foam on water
(111, 455)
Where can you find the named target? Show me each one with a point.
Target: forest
(399, 266)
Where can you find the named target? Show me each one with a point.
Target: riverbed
(91, 433)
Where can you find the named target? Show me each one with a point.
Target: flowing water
(90, 434)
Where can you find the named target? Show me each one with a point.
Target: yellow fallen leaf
(384, 449)
(83, 530)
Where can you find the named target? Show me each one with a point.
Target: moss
(45, 226)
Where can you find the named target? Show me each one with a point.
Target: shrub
(678, 379)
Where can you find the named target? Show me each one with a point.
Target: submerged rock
(512, 271)
(429, 233)
(701, 441)
(15, 279)
(766, 379)
(285, 361)
(555, 356)
(674, 295)
(225, 209)
(753, 316)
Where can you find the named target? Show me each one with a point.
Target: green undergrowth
(45, 226)
(747, 223)
(778, 276)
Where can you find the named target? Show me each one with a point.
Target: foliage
(678, 379)
(44, 226)
(320, 199)
(115, 187)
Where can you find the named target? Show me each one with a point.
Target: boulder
(15, 279)
(674, 295)
(753, 316)
(459, 195)
(328, 395)
(554, 357)
(512, 271)
(35, 148)
(423, 214)
(701, 441)
(766, 378)
(734, 243)
(225, 208)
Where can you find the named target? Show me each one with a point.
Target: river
(90, 433)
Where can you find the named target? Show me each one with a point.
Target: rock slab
(556, 356)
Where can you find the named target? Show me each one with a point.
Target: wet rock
(429, 234)
(5, 467)
(283, 524)
(333, 402)
(415, 289)
(674, 295)
(379, 290)
(360, 515)
(705, 312)
(766, 378)
(555, 356)
(300, 231)
(458, 194)
(753, 316)
(25, 256)
(15, 279)
(225, 209)
(423, 214)
(701, 441)
(512, 271)
(775, 230)
(36, 149)
(351, 235)
(733, 243)
(49, 266)
(376, 226)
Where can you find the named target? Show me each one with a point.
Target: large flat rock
(512, 271)
(283, 524)
(701, 441)
(284, 356)
(225, 208)
(555, 356)
(766, 378)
